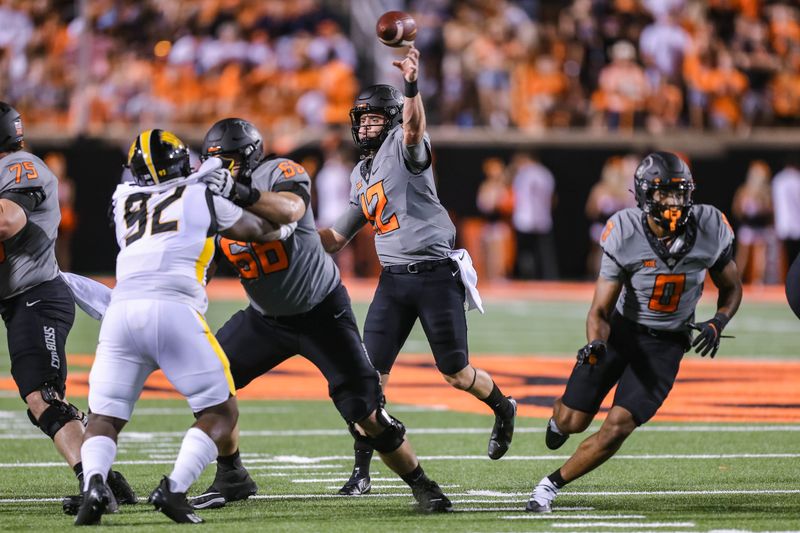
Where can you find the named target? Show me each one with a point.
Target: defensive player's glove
(592, 353)
(709, 333)
(221, 183)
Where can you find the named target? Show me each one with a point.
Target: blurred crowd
(614, 64)
(280, 64)
(529, 64)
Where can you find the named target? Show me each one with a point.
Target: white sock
(197, 451)
(545, 492)
(97, 456)
(554, 427)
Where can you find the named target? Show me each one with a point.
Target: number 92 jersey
(660, 289)
(166, 239)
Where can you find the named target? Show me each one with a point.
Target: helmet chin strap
(671, 215)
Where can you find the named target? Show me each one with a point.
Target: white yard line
(624, 524)
(556, 516)
(150, 436)
(160, 459)
(522, 495)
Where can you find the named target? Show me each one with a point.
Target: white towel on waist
(469, 278)
(90, 295)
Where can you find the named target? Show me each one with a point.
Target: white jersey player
(166, 222)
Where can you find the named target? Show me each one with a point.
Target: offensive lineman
(638, 327)
(36, 304)
(393, 189)
(165, 225)
(298, 305)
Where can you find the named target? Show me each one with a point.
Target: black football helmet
(379, 99)
(664, 171)
(236, 142)
(157, 156)
(11, 131)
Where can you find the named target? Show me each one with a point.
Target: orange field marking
(362, 290)
(708, 391)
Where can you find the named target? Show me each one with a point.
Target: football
(396, 29)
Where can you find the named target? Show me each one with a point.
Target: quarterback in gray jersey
(298, 305)
(654, 266)
(36, 304)
(393, 189)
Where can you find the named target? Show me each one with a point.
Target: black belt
(661, 333)
(416, 268)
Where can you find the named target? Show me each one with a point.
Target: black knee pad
(58, 413)
(387, 440)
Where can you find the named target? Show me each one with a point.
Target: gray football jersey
(657, 292)
(28, 258)
(290, 276)
(409, 221)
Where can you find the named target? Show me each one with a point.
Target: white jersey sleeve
(227, 212)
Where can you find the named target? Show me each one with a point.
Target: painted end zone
(707, 391)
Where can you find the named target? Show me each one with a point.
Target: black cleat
(173, 504)
(552, 439)
(502, 433)
(430, 498)
(121, 489)
(94, 502)
(71, 504)
(228, 486)
(357, 485)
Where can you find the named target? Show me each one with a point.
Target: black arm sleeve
(27, 198)
(293, 187)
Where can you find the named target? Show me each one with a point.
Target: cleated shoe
(71, 504)
(357, 485)
(229, 486)
(552, 439)
(121, 489)
(94, 502)
(430, 498)
(173, 504)
(502, 433)
(542, 496)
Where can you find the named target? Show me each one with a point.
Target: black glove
(592, 353)
(709, 333)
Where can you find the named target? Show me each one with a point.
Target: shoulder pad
(618, 229)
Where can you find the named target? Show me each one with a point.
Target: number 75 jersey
(660, 289)
(166, 238)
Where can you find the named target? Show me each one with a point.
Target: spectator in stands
(606, 197)
(537, 90)
(534, 200)
(725, 85)
(752, 209)
(496, 202)
(662, 45)
(785, 91)
(619, 103)
(786, 203)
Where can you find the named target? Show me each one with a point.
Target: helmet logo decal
(18, 127)
(644, 165)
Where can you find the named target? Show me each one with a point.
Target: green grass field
(668, 476)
